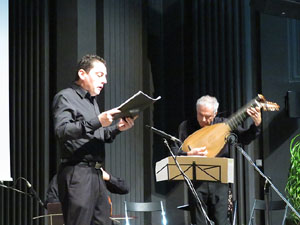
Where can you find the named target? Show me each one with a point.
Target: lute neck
(238, 117)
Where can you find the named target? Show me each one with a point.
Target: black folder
(134, 105)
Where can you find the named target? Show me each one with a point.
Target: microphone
(163, 134)
(34, 194)
(232, 138)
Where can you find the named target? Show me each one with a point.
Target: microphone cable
(32, 193)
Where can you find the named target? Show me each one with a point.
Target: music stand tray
(206, 169)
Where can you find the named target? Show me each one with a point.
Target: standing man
(214, 195)
(81, 131)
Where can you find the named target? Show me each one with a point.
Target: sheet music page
(134, 105)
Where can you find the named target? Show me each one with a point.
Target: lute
(214, 136)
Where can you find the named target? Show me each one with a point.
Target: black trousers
(214, 198)
(83, 195)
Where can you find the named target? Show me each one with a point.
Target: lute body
(214, 137)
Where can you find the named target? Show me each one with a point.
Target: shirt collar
(82, 92)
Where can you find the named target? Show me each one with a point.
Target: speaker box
(283, 8)
(293, 104)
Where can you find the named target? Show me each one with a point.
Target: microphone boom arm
(164, 135)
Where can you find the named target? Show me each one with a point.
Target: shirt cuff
(95, 123)
(115, 130)
(182, 153)
(255, 128)
(113, 179)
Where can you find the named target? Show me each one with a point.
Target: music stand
(190, 185)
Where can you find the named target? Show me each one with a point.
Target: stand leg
(193, 202)
(267, 180)
(189, 184)
(267, 202)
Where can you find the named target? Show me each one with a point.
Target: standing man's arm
(52, 191)
(111, 131)
(114, 184)
(68, 127)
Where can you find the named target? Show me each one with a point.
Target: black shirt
(245, 136)
(77, 127)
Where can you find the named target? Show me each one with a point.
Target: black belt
(96, 165)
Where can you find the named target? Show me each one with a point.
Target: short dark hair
(86, 63)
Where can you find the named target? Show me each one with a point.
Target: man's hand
(105, 175)
(202, 151)
(126, 123)
(106, 118)
(255, 114)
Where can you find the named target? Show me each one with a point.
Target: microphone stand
(32, 193)
(164, 135)
(14, 189)
(233, 140)
(186, 178)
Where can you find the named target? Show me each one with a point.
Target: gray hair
(208, 100)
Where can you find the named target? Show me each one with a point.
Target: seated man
(213, 195)
(114, 185)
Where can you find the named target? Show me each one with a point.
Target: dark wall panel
(66, 47)
(279, 63)
(29, 110)
(123, 50)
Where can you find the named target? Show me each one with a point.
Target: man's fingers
(200, 148)
(253, 112)
(201, 151)
(106, 118)
(113, 111)
(126, 123)
(130, 121)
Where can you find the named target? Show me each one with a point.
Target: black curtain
(196, 48)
